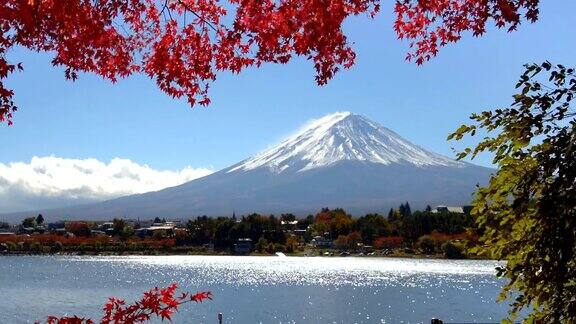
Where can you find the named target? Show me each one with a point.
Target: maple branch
(164, 6)
(197, 15)
(166, 9)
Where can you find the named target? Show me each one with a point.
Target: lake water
(257, 289)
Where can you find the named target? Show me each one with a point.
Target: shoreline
(171, 253)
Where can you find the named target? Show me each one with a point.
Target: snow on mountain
(340, 137)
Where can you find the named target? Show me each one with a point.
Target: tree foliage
(527, 213)
(336, 222)
(78, 228)
(181, 44)
(29, 222)
(118, 225)
(453, 250)
(421, 223)
(435, 23)
(337, 225)
(158, 302)
(373, 226)
(224, 231)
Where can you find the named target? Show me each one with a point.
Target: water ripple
(307, 270)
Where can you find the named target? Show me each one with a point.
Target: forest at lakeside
(401, 232)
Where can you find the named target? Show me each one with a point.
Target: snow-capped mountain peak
(341, 136)
(341, 160)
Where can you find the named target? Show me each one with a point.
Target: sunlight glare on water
(242, 270)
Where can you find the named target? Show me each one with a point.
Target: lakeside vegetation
(429, 233)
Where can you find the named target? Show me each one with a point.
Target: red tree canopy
(182, 43)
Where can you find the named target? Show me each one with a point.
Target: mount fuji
(340, 160)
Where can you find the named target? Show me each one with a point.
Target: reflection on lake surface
(257, 289)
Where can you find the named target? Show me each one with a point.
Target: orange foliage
(78, 228)
(91, 241)
(388, 242)
(159, 303)
(442, 237)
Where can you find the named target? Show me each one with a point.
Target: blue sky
(91, 118)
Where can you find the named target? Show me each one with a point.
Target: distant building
(175, 223)
(452, 209)
(300, 232)
(289, 225)
(106, 225)
(97, 233)
(366, 248)
(142, 232)
(54, 226)
(322, 242)
(167, 228)
(243, 246)
(60, 231)
(26, 230)
(107, 228)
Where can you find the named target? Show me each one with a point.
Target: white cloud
(84, 179)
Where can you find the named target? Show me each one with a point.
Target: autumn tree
(527, 213)
(389, 242)
(334, 221)
(157, 303)
(78, 228)
(182, 44)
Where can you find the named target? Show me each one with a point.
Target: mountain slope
(341, 160)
